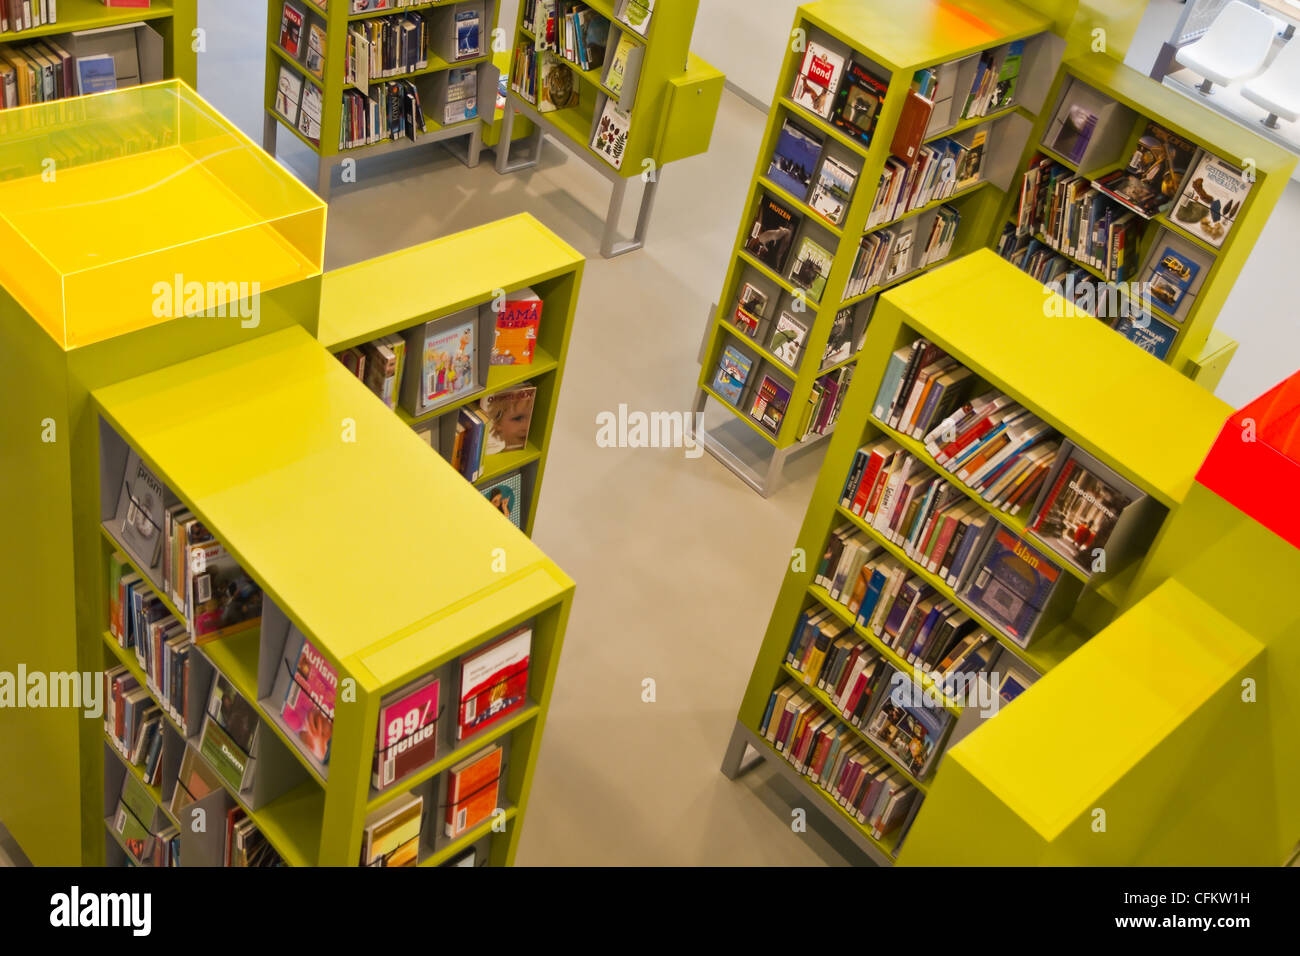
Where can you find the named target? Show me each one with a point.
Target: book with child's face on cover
(511, 415)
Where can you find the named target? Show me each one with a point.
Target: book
(447, 365)
(494, 682)
(812, 266)
(195, 779)
(1148, 333)
(794, 160)
(1075, 134)
(858, 102)
(770, 403)
(772, 234)
(288, 93)
(732, 374)
(517, 325)
(96, 74)
(291, 24)
(1012, 584)
(908, 729)
(1211, 199)
(139, 517)
(1173, 277)
(1004, 92)
(309, 116)
(610, 139)
(912, 126)
(472, 789)
(1079, 513)
(510, 415)
(616, 71)
(308, 707)
(469, 41)
(839, 343)
(506, 495)
(637, 14)
(133, 819)
(1149, 182)
(408, 731)
(751, 308)
(818, 79)
(787, 339)
(834, 190)
(392, 833)
(221, 598)
(315, 61)
(556, 87)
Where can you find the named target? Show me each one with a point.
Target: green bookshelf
(946, 38)
(669, 96)
(149, 45)
(1125, 102)
(474, 274)
(1159, 451)
(431, 73)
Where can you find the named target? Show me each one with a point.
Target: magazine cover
(449, 363)
(812, 266)
(772, 234)
(797, 151)
(907, 729)
(140, 507)
(1079, 514)
(511, 415)
(494, 682)
(1012, 585)
(733, 373)
(1212, 197)
(751, 308)
(506, 495)
(787, 339)
(834, 190)
(408, 732)
(770, 403)
(308, 709)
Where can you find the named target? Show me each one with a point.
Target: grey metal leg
(1206, 88)
(270, 126)
(506, 145)
(708, 334)
(1271, 122)
(733, 762)
(324, 177)
(1289, 32)
(610, 246)
(475, 146)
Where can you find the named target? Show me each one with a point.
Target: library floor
(677, 562)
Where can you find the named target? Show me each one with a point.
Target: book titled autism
(448, 366)
(733, 372)
(408, 732)
(506, 495)
(1211, 200)
(308, 709)
(818, 79)
(517, 324)
(494, 682)
(794, 160)
(1012, 585)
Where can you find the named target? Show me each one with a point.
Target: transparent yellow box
(123, 210)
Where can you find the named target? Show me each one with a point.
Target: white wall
(745, 39)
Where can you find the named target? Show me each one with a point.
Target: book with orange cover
(472, 788)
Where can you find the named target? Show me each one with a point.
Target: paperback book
(1173, 277)
(517, 325)
(139, 515)
(772, 234)
(494, 682)
(834, 190)
(308, 708)
(1012, 585)
(733, 372)
(506, 495)
(1211, 200)
(556, 87)
(818, 79)
(857, 105)
(1075, 133)
(812, 267)
(1079, 513)
(408, 732)
(510, 416)
(612, 130)
(770, 403)
(797, 151)
(472, 789)
(751, 308)
(392, 833)
(787, 339)
(448, 366)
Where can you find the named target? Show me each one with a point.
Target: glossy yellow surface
(110, 198)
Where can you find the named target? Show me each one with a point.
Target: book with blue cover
(906, 728)
(96, 74)
(1147, 333)
(795, 160)
(1174, 275)
(506, 495)
(1012, 585)
(733, 373)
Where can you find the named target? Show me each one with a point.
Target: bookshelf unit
(1125, 101)
(893, 41)
(430, 79)
(439, 603)
(474, 275)
(669, 94)
(1158, 450)
(161, 47)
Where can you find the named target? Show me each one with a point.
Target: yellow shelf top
(1082, 728)
(372, 298)
(1148, 422)
(376, 547)
(122, 210)
(908, 35)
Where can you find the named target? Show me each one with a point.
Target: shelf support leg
(506, 144)
(269, 128)
(733, 762)
(324, 177)
(610, 246)
(475, 146)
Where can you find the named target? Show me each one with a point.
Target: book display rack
(352, 81)
(90, 47)
(615, 81)
(906, 166)
(1035, 584)
(208, 501)
(1127, 185)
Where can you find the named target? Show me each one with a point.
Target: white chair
(1235, 47)
(1278, 89)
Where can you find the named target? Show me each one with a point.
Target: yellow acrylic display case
(123, 210)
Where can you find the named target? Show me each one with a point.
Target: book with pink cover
(408, 732)
(308, 709)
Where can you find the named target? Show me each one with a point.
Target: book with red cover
(291, 30)
(910, 132)
(517, 326)
(494, 682)
(472, 788)
(408, 732)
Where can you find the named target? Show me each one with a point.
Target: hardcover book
(448, 366)
(818, 79)
(750, 309)
(556, 87)
(222, 598)
(787, 339)
(733, 372)
(517, 324)
(770, 403)
(907, 729)
(96, 74)
(408, 732)
(494, 682)
(812, 266)
(308, 707)
(291, 23)
(772, 234)
(834, 189)
(797, 151)
(472, 789)
(506, 495)
(1211, 200)
(1012, 585)
(510, 414)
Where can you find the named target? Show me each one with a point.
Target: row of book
(141, 623)
(836, 759)
(1032, 255)
(569, 28)
(391, 111)
(996, 77)
(133, 824)
(133, 723)
(384, 47)
(44, 71)
(822, 410)
(379, 364)
(392, 834)
(19, 15)
(905, 188)
(888, 254)
(299, 102)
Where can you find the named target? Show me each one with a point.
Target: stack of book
(824, 401)
(391, 111)
(19, 15)
(888, 254)
(379, 365)
(133, 722)
(162, 643)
